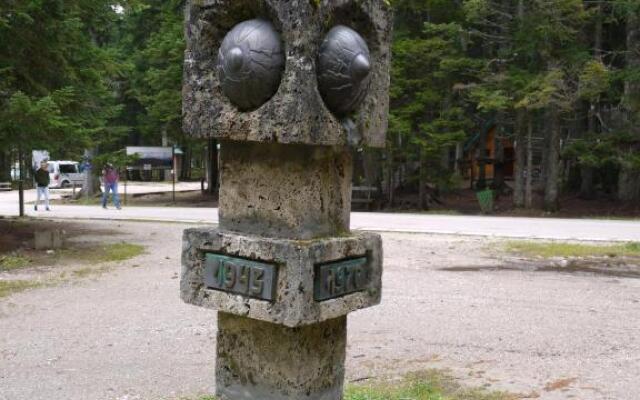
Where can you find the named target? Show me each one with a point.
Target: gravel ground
(449, 302)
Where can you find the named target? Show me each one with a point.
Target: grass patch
(115, 252)
(89, 271)
(120, 252)
(10, 287)
(563, 249)
(13, 261)
(429, 385)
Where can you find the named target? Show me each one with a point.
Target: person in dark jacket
(42, 185)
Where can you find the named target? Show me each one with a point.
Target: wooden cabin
(498, 157)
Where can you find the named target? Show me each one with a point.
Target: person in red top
(110, 178)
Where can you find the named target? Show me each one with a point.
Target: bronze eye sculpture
(344, 66)
(250, 64)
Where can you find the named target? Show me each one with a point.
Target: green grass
(120, 252)
(10, 287)
(89, 271)
(93, 257)
(114, 252)
(430, 385)
(563, 249)
(13, 261)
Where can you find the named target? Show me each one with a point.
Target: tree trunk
(481, 159)
(5, 166)
(185, 162)
(91, 182)
(459, 159)
(520, 154)
(628, 187)
(390, 179)
(628, 182)
(528, 194)
(520, 10)
(552, 184)
(597, 42)
(587, 171)
(422, 183)
(586, 182)
(498, 166)
(212, 166)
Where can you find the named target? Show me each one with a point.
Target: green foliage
(13, 261)
(78, 74)
(152, 37)
(118, 158)
(563, 249)
(429, 73)
(56, 91)
(594, 80)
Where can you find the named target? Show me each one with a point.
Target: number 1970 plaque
(340, 278)
(240, 276)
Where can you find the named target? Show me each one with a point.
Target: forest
(535, 99)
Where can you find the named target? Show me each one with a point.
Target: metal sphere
(344, 67)
(250, 63)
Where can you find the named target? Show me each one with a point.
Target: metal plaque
(340, 278)
(239, 276)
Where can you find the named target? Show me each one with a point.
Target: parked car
(65, 174)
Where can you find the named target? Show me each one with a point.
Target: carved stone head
(307, 72)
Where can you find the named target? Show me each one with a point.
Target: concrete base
(296, 261)
(260, 360)
(48, 240)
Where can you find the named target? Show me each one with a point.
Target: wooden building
(488, 156)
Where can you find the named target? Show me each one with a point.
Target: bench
(5, 186)
(366, 195)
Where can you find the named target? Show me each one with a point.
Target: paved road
(448, 302)
(538, 228)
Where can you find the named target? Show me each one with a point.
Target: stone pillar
(287, 90)
(287, 191)
(260, 360)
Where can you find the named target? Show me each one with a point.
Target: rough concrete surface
(290, 191)
(127, 334)
(296, 113)
(304, 363)
(294, 304)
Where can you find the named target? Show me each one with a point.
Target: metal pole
(173, 172)
(21, 182)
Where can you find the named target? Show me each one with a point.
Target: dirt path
(126, 335)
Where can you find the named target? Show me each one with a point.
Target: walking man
(110, 178)
(42, 185)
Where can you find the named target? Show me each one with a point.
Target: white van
(65, 174)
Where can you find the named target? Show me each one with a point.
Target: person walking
(42, 185)
(110, 178)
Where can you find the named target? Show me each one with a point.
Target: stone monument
(289, 88)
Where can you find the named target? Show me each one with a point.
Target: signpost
(283, 269)
(173, 173)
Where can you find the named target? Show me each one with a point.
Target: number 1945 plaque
(240, 276)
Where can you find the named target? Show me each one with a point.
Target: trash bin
(485, 199)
